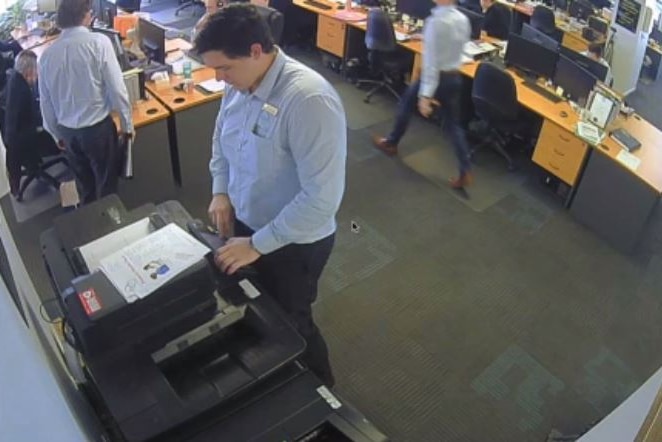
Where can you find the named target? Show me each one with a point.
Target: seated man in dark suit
(25, 139)
(497, 19)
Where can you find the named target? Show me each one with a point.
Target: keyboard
(541, 90)
(318, 5)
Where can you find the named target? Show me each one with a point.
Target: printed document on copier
(140, 268)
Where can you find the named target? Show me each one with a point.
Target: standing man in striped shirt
(80, 83)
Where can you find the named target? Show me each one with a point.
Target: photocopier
(202, 358)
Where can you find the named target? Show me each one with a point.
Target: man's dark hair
(72, 12)
(597, 48)
(232, 30)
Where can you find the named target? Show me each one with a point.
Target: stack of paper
(212, 85)
(140, 268)
(589, 133)
(132, 83)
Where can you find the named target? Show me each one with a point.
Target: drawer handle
(559, 153)
(564, 138)
(553, 166)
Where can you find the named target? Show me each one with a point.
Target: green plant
(12, 17)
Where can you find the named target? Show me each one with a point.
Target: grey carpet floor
(449, 324)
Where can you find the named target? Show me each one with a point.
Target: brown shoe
(384, 145)
(462, 181)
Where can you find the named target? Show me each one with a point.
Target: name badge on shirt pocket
(265, 122)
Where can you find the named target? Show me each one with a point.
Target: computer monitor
(152, 38)
(537, 36)
(46, 6)
(476, 20)
(656, 35)
(577, 82)
(580, 9)
(530, 57)
(415, 8)
(598, 24)
(114, 37)
(598, 69)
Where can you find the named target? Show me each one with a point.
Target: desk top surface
(149, 111)
(176, 100)
(146, 112)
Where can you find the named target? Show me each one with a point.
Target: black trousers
(93, 155)
(449, 94)
(290, 275)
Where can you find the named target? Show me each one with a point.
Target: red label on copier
(91, 303)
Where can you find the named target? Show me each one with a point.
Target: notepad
(628, 160)
(212, 86)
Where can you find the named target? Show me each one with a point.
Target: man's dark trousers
(93, 155)
(448, 93)
(290, 275)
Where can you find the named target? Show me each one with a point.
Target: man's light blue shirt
(80, 82)
(445, 32)
(279, 153)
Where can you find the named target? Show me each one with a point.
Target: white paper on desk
(466, 60)
(93, 252)
(212, 85)
(628, 160)
(472, 48)
(142, 267)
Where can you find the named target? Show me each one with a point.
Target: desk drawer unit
(560, 152)
(331, 35)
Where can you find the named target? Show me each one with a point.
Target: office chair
(543, 19)
(190, 3)
(494, 96)
(37, 168)
(275, 19)
(383, 56)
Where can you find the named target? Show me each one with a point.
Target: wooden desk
(176, 100)
(613, 200)
(191, 126)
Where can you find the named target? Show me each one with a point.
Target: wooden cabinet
(560, 152)
(331, 35)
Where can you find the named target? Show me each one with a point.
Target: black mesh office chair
(544, 20)
(36, 167)
(471, 5)
(494, 96)
(276, 21)
(383, 56)
(191, 4)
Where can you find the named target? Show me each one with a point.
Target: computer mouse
(563, 114)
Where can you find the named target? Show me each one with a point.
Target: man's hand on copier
(237, 252)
